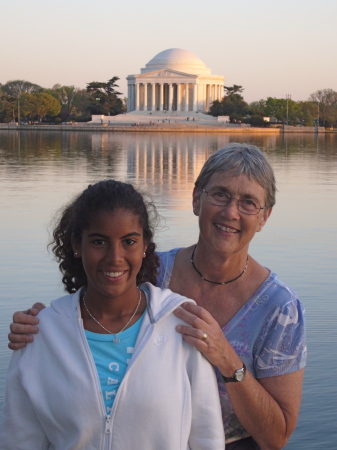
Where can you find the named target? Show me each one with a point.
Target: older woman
(247, 323)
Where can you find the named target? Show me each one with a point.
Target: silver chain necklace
(116, 339)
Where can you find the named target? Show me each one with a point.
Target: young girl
(108, 369)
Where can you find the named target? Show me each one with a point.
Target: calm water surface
(39, 172)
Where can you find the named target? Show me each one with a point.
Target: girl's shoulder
(67, 305)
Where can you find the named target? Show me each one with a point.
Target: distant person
(249, 324)
(108, 369)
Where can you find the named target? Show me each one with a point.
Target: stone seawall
(162, 128)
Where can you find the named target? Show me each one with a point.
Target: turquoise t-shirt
(112, 359)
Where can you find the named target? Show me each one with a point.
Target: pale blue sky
(270, 48)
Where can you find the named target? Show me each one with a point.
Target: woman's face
(224, 228)
(112, 251)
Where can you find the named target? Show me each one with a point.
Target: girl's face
(112, 250)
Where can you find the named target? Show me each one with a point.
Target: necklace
(216, 282)
(116, 339)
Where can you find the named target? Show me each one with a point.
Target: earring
(75, 254)
(144, 255)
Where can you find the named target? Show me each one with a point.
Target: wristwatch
(239, 375)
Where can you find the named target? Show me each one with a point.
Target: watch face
(239, 376)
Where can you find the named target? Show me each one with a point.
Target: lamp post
(19, 110)
(288, 97)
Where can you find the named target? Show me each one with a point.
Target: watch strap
(234, 378)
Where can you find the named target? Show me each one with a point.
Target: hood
(68, 306)
(161, 302)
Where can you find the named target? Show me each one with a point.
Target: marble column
(137, 91)
(129, 97)
(161, 97)
(204, 97)
(170, 99)
(153, 96)
(195, 98)
(178, 97)
(186, 97)
(145, 96)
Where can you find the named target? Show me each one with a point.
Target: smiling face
(225, 229)
(112, 250)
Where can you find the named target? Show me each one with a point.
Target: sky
(272, 49)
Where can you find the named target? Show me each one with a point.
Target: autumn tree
(66, 95)
(13, 91)
(326, 99)
(16, 87)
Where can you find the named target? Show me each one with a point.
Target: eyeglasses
(245, 205)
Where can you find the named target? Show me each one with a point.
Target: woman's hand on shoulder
(23, 327)
(204, 333)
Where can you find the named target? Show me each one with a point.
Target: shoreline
(166, 128)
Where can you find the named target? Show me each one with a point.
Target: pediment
(166, 73)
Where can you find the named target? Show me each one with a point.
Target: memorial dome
(179, 60)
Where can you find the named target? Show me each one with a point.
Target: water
(39, 172)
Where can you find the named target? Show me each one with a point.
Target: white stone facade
(174, 80)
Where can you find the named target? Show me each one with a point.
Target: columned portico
(174, 80)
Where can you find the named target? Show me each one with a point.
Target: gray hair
(240, 159)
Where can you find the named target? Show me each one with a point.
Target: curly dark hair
(73, 218)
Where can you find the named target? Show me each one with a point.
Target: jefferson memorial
(174, 80)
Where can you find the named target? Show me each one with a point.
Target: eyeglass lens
(223, 198)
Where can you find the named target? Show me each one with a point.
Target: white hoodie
(168, 399)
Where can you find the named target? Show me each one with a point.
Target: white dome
(179, 60)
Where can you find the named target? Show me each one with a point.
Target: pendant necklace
(216, 282)
(116, 339)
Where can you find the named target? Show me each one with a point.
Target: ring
(204, 336)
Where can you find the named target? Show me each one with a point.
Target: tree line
(320, 108)
(22, 100)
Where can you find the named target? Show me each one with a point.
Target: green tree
(46, 104)
(8, 108)
(308, 113)
(232, 104)
(29, 106)
(104, 97)
(257, 108)
(81, 111)
(39, 104)
(235, 89)
(216, 108)
(284, 110)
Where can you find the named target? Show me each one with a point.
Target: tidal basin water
(40, 171)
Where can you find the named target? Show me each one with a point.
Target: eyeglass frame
(237, 203)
